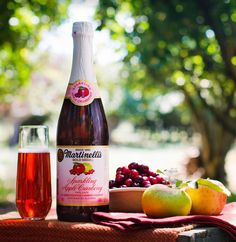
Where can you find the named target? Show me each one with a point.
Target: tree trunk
(215, 144)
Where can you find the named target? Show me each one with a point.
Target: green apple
(163, 201)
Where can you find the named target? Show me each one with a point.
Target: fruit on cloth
(163, 201)
(136, 175)
(208, 196)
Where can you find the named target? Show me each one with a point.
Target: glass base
(33, 219)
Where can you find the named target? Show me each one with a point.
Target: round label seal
(60, 155)
(82, 93)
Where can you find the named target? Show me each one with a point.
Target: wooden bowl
(126, 199)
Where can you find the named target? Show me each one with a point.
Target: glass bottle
(82, 137)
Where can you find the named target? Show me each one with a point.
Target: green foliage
(4, 192)
(183, 47)
(178, 45)
(21, 25)
(144, 111)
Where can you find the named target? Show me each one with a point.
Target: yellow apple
(162, 201)
(208, 196)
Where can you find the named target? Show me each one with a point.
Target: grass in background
(4, 192)
(231, 198)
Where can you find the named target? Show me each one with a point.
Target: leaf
(178, 183)
(160, 172)
(214, 184)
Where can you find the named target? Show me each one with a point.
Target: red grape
(133, 165)
(125, 170)
(153, 180)
(134, 173)
(146, 183)
(111, 183)
(160, 179)
(119, 170)
(138, 179)
(164, 182)
(144, 169)
(128, 182)
(119, 178)
(145, 178)
(151, 173)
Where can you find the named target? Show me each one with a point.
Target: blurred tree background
(21, 25)
(186, 48)
(172, 77)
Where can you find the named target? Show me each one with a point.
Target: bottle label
(82, 175)
(82, 93)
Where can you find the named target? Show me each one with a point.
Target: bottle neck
(82, 64)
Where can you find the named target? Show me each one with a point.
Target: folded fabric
(226, 220)
(13, 229)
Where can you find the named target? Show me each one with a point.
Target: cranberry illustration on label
(78, 169)
(82, 92)
(82, 168)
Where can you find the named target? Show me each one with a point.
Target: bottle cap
(83, 28)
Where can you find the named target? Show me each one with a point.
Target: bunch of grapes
(136, 175)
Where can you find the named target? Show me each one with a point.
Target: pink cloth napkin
(226, 220)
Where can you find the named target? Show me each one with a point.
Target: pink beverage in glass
(33, 194)
(33, 183)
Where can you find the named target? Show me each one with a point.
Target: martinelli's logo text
(78, 154)
(82, 154)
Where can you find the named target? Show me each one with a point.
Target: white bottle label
(82, 175)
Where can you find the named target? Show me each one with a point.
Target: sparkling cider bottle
(82, 137)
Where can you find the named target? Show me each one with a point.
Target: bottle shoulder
(82, 125)
(70, 109)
